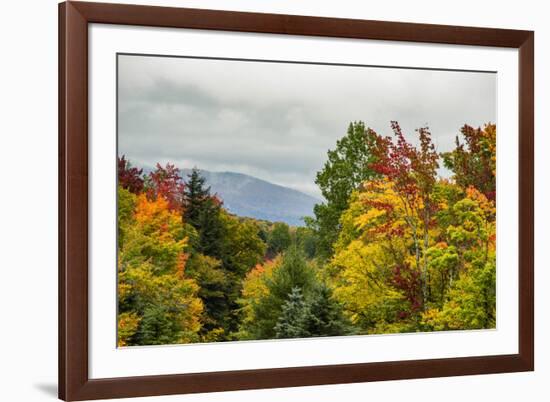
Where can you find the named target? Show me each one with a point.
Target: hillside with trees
(392, 248)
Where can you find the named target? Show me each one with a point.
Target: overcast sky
(276, 121)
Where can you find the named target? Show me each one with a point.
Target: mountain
(255, 198)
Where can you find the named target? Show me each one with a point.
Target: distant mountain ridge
(249, 196)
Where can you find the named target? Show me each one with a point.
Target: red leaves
(129, 177)
(387, 225)
(167, 183)
(412, 169)
(409, 281)
(474, 161)
(164, 182)
(216, 199)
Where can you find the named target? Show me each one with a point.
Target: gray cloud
(276, 121)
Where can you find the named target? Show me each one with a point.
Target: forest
(393, 248)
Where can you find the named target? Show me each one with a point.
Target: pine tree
(213, 282)
(158, 327)
(315, 314)
(211, 228)
(195, 194)
(326, 316)
(202, 211)
(295, 317)
(294, 272)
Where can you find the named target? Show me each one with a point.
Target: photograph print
(263, 200)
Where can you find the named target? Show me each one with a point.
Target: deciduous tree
(279, 239)
(473, 161)
(129, 178)
(158, 303)
(165, 182)
(347, 166)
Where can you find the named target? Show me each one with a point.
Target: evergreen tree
(158, 327)
(326, 316)
(315, 315)
(294, 272)
(232, 247)
(295, 317)
(211, 228)
(213, 283)
(202, 211)
(195, 194)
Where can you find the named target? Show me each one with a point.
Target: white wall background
(28, 199)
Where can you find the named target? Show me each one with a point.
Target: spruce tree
(294, 272)
(295, 317)
(202, 211)
(195, 194)
(316, 314)
(326, 317)
(211, 228)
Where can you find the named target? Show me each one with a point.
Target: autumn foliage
(394, 248)
(416, 252)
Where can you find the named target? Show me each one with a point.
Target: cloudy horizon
(276, 121)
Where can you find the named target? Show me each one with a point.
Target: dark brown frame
(74, 17)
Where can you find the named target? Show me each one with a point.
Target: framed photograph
(260, 200)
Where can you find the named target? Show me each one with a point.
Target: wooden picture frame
(74, 381)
